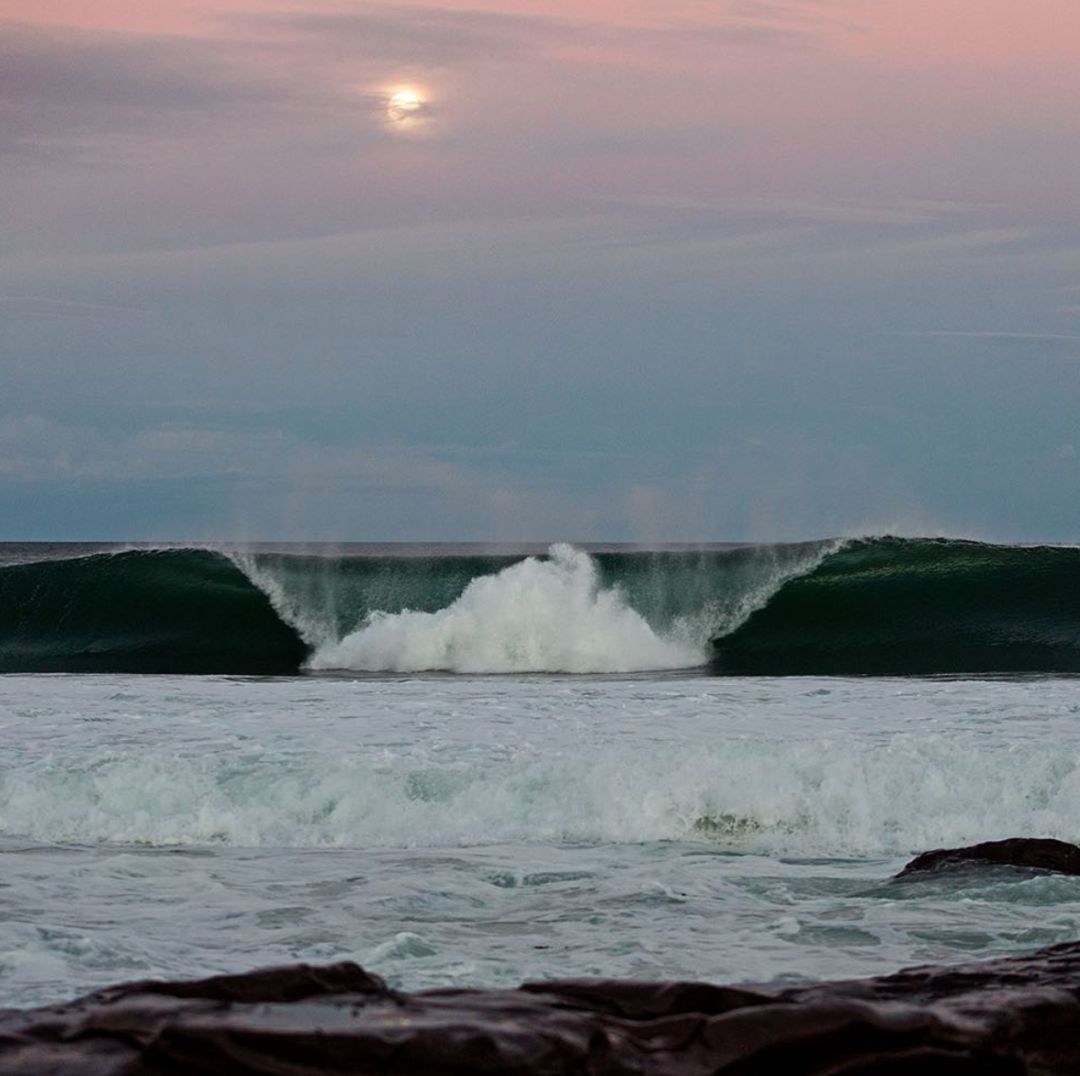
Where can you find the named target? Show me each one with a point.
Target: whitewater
(548, 615)
(474, 767)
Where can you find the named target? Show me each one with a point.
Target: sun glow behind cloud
(407, 108)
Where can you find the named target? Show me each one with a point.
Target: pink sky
(910, 33)
(619, 202)
(954, 100)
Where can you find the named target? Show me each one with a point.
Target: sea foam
(825, 796)
(539, 615)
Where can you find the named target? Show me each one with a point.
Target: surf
(539, 615)
(830, 794)
(863, 606)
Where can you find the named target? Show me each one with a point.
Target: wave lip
(548, 615)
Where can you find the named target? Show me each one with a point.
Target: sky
(503, 270)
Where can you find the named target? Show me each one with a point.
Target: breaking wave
(858, 606)
(536, 616)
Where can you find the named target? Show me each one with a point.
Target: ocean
(472, 766)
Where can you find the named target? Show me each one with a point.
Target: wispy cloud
(397, 35)
(48, 307)
(1018, 344)
(65, 90)
(848, 211)
(992, 334)
(430, 35)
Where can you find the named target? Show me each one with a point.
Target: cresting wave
(859, 606)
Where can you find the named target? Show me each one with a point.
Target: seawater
(472, 829)
(869, 606)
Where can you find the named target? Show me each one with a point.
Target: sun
(404, 106)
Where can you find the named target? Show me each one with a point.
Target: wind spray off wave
(535, 616)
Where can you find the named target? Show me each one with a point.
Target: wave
(140, 610)
(830, 796)
(894, 606)
(871, 606)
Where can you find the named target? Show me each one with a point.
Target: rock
(1031, 853)
(1011, 1016)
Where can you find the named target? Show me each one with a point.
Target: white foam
(539, 615)
(826, 796)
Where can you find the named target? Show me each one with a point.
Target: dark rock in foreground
(1027, 852)
(1018, 1015)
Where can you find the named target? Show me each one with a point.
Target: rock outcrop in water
(1029, 853)
(1012, 1016)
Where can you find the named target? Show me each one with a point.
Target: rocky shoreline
(1015, 1015)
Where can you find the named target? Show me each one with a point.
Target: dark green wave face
(870, 606)
(891, 606)
(172, 611)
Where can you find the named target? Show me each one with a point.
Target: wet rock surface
(1017, 1015)
(1028, 853)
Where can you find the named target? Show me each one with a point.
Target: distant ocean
(465, 765)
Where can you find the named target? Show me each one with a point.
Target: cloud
(991, 334)
(429, 36)
(48, 65)
(107, 95)
(40, 306)
(285, 80)
(37, 448)
(766, 23)
(64, 90)
(396, 35)
(34, 448)
(273, 483)
(899, 212)
(1019, 344)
